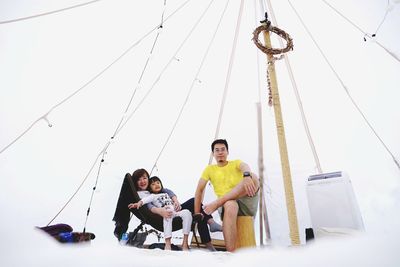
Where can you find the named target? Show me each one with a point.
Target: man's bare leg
(231, 209)
(237, 192)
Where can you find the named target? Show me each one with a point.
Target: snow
(34, 248)
(44, 60)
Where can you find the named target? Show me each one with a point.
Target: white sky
(44, 60)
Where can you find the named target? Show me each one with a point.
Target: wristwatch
(246, 174)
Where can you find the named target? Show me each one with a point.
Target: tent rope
(90, 81)
(228, 75)
(48, 13)
(362, 31)
(143, 71)
(194, 80)
(104, 150)
(298, 98)
(345, 88)
(81, 184)
(127, 108)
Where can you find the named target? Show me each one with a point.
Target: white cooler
(332, 202)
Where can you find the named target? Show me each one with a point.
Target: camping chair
(128, 195)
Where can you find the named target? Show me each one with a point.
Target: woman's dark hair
(137, 174)
(219, 141)
(153, 179)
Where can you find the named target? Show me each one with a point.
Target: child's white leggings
(186, 216)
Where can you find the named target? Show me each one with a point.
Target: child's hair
(153, 179)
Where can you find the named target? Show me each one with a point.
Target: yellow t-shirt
(225, 178)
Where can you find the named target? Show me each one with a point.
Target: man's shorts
(247, 206)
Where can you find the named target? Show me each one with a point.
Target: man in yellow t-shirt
(235, 186)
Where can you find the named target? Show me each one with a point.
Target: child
(162, 200)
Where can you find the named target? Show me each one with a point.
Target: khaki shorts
(247, 206)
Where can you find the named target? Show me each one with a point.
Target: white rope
(194, 80)
(89, 82)
(102, 152)
(126, 109)
(256, 23)
(81, 184)
(228, 75)
(345, 88)
(362, 31)
(388, 7)
(48, 13)
(296, 92)
(174, 57)
(143, 70)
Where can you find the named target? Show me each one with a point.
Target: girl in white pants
(162, 200)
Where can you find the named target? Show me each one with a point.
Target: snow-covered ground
(44, 60)
(329, 250)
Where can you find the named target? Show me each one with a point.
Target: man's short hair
(219, 141)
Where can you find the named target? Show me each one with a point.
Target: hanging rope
(194, 80)
(90, 81)
(94, 189)
(126, 109)
(345, 88)
(80, 186)
(267, 27)
(173, 58)
(104, 150)
(388, 8)
(298, 98)
(48, 13)
(143, 71)
(228, 75)
(363, 32)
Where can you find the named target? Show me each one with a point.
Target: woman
(140, 179)
(157, 198)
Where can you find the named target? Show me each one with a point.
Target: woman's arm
(163, 212)
(169, 192)
(177, 205)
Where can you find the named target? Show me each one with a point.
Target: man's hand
(249, 186)
(211, 207)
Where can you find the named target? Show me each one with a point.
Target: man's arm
(244, 167)
(251, 182)
(198, 196)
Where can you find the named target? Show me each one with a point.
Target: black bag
(137, 239)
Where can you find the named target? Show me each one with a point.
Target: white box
(332, 202)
